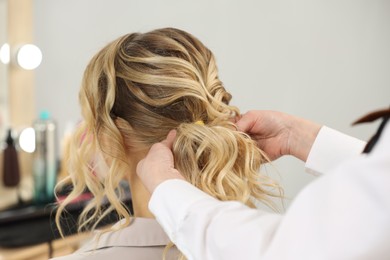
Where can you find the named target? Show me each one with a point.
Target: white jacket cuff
(330, 149)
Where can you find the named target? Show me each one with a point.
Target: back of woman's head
(138, 88)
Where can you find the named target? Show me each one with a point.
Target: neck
(140, 195)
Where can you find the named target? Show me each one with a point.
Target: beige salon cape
(144, 239)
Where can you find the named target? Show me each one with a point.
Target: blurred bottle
(45, 164)
(11, 172)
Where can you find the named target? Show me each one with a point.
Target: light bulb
(27, 140)
(29, 57)
(5, 53)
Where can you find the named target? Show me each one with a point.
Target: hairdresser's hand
(279, 134)
(158, 165)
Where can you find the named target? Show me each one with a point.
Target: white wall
(326, 60)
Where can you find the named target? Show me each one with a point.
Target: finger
(246, 122)
(235, 119)
(170, 139)
(140, 166)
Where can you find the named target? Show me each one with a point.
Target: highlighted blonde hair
(134, 91)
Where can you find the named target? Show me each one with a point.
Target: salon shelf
(31, 224)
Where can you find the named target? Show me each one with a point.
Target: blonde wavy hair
(134, 91)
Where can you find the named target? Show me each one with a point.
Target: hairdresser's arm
(279, 134)
(342, 215)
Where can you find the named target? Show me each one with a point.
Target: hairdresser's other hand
(158, 165)
(279, 134)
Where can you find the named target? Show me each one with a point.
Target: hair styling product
(45, 163)
(11, 173)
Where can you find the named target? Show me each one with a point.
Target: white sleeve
(344, 214)
(203, 227)
(330, 149)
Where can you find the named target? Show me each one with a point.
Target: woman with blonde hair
(134, 91)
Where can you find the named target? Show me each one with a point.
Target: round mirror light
(29, 57)
(27, 140)
(5, 53)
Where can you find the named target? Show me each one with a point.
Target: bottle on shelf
(45, 163)
(11, 171)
